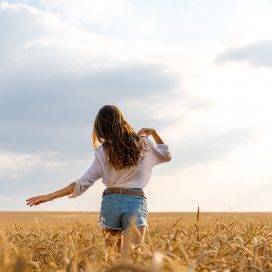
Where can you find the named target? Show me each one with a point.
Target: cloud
(85, 11)
(19, 171)
(56, 76)
(64, 74)
(52, 113)
(32, 37)
(143, 28)
(22, 163)
(82, 11)
(257, 54)
(62, 60)
(211, 148)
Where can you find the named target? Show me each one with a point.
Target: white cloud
(257, 54)
(84, 11)
(143, 28)
(16, 165)
(42, 38)
(82, 54)
(239, 182)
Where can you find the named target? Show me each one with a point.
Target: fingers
(31, 203)
(141, 132)
(30, 199)
(146, 131)
(34, 201)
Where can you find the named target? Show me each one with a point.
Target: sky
(198, 71)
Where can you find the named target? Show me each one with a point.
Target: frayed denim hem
(103, 227)
(137, 226)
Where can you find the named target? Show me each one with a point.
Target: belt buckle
(120, 191)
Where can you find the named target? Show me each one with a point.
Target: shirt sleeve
(88, 179)
(161, 152)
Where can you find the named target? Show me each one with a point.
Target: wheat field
(55, 241)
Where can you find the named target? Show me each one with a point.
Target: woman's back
(133, 177)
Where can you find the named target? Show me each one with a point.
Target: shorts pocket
(110, 212)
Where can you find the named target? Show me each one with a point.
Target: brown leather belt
(123, 191)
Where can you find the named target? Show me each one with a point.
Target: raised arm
(36, 200)
(160, 150)
(153, 133)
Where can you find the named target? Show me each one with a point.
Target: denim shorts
(119, 210)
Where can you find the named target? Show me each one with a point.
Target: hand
(146, 131)
(36, 200)
(153, 133)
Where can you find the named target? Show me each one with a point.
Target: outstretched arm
(75, 188)
(36, 200)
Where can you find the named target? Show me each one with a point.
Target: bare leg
(139, 239)
(135, 236)
(112, 238)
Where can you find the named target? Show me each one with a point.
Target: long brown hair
(120, 141)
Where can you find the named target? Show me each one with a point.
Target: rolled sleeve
(161, 152)
(88, 179)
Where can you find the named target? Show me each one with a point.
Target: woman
(124, 160)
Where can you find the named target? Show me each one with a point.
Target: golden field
(61, 241)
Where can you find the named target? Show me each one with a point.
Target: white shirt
(133, 177)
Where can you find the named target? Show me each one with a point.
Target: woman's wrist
(156, 137)
(154, 132)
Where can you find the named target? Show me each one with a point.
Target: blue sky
(198, 71)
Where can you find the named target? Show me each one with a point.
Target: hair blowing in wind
(120, 141)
